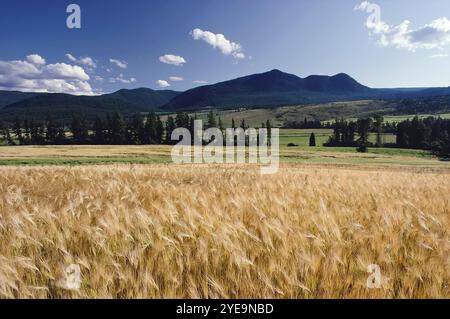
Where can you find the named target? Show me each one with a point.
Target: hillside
(9, 97)
(276, 88)
(62, 106)
(269, 89)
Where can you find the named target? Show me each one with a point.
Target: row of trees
(428, 134)
(345, 133)
(114, 129)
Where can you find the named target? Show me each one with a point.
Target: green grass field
(301, 137)
(160, 154)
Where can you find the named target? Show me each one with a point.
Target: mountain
(144, 97)
(9, 97)
(269, 89)
(63, 106)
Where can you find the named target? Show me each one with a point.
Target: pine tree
(379, 128)
(138, 134)
(211, 121)
(99, 131)
(118, 129)
(243, 125)
(221, 128)
(159, 136)
(312, 140)
(51, 130)
(170, 127)
(364, 126)
(18, 130)
(80, 130)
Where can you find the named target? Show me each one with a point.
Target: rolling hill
(9, 97)
(272, 88)
(63, 106)
(276, 88)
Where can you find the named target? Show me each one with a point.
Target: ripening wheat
(169, 231)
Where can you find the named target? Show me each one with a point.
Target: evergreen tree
(378, 123)
(27, 132)
(363, 127)
(51, 131)
(269, 133)
(221, 127)
(170, 127)
(159, 136)
(138, 133)
(99, 131)
(211, 120)
(118, 129)
(80, 129)
(312, 140)
(18, 130)
(243, 125)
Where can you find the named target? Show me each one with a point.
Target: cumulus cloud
(200, 82)
(176, 78)
(67, 71)
(434, 35)
(36, 59)
(87, 61)
(34, 75)
(162, 83)
(119, 63)
(122, 79)
(172, 59)
(220, 42)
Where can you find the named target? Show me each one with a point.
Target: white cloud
(172, 59)
(87, 61)
(200, 82)
(176, 78)
(220, 42)
(36, 59)
(71, 57)
(430, 36)
(67, 71)
(99, 78)
(33, 75)
(439, 55)
(118, 63)
(121, 79)
(162, 83)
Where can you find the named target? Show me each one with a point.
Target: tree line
(114, 129)
(428, 134)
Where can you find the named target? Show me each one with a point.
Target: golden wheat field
(167, 231)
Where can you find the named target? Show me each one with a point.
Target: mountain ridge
(269, 88)
(63, 106)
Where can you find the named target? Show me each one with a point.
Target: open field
(167, 231)
(401, 118)
(154, 154)
(281, 115)
(85, 155)
(301, 136)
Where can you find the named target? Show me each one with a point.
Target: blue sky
(121, 43)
